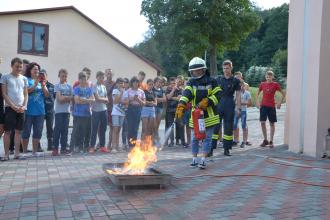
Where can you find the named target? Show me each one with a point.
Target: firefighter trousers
(226, 110)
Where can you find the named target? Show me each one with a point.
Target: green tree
(194, 26)
(280, 61)
(149, 49)
(260, 46)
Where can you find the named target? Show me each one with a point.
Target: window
(33, 38)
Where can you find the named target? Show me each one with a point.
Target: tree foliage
(260, 46)
(172, 48)
(194, 26)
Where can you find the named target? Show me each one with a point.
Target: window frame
(33, 51)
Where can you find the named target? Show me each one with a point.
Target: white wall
(308, 78)
(74, 43)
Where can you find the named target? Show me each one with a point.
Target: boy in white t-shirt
(14, 90)
(99, 113)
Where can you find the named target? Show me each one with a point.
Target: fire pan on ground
(150, 177)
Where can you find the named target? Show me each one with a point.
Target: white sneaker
(202, 165)
(37, 154)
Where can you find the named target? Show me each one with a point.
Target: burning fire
(139, 159)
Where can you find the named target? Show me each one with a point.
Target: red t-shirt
(269, 90)
(143, 86)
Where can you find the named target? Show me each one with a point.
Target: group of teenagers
(28, 100)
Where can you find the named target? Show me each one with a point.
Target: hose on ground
(270, 160)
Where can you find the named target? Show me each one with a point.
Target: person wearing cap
(49, 108)
(203, 92)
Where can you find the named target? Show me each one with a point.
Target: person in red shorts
(267, 107)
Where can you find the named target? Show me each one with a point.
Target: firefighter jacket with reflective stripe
(196, 90)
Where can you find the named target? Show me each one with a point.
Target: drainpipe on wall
(304, 74)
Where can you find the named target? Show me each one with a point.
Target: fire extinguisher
(199, 124)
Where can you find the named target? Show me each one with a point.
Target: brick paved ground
(77, 188)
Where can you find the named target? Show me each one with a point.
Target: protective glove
(179, 110)
(203, 104)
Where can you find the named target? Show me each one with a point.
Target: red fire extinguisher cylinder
(199, 124)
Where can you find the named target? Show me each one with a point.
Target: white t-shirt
(15, 87)
(118, 109)
(245, 97)
(130, 93)
(101, 91)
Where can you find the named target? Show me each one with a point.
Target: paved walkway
(77, 188)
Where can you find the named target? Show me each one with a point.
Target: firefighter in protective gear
(226, 106)
(203, 93)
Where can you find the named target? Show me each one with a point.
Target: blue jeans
(133, 122)
(37, 121)
(61, 130)
(99, 125)
(243, 120)
(207, 143)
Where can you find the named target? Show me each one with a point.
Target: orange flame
(139, 159)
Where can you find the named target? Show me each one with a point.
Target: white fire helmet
(196, 63)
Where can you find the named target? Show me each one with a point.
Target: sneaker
(66, 152)
(193, 164)
(18, 157)
(248, 143)
(234, 143)
(4, 158)
(264, 143)
(171, 145)
(55, 153)
(271, 145)
(91, 150)
(202, 165)
(114, 151)
(36, 154)
(104, 150)
(242, 145)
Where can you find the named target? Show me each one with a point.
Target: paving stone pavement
(77, 188)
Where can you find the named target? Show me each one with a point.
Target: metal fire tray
(152, 177)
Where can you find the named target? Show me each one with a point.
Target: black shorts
(13, 120)
(268, 112)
